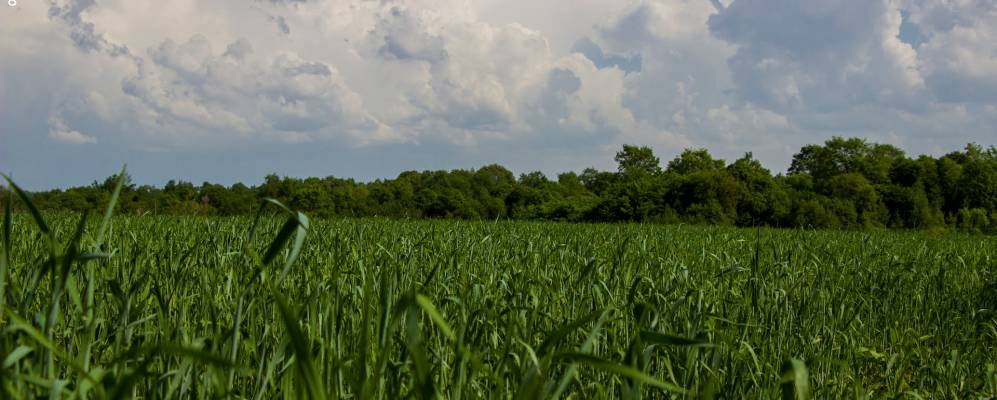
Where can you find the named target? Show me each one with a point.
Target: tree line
(842, 183)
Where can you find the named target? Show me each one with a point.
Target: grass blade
(301, 231)
(672, 340)
(106, 222)
(302, 350)
(35, 214)
(5, 256)
(288, 229)
(795, 380)
(557, 336)
(618, 369)
(426, 305)
(16, 355)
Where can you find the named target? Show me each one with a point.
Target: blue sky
(229, 91)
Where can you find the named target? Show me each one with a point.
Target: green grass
(280, 306)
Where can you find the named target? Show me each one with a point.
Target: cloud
(885, 70)
(401, 35)
(462, 81)
(828, 56)
(83, 33)
(592, 51)
(240, 92)
(469, 80)
(281, 23)
(682, 76)
(59, 132)
(959, 58)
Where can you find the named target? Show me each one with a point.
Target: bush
(974, 220)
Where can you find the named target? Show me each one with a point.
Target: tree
(854, 192)
(534, 189)
(111, 182)
(569, 184)
(597, 182)
(493, 184)
(910, 208)
(978, 182)
(973, 220)
(848, 183)
(637, 160)
(694, 160)
(495, 179)
(841, 156)
(310, 195)
(706, 196)
(762, 200)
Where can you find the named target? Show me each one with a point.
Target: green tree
(637, 160)
(763, 201)
(841, 156)
(597, 182)
(978, 181)
(694, 160)
(858, 201)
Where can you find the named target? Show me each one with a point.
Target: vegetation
(844, 183)
(278, 305)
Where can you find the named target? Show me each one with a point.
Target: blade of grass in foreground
(795, 380)
(59, 279)
(434, 315)
(584, 348)
(7, 223)
(5, 257)
(298, 223)
(299, 240)
(39, 221)
(288, 229)
(20, 324)
(302, 350)
(106, 222)
(37, 215)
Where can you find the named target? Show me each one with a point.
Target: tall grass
(280, 306)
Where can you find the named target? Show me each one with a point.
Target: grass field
(167, 307)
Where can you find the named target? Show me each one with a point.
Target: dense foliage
(844, 183)
(283, 307)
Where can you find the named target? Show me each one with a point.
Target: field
(280, 306)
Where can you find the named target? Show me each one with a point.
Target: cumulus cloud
(502, 81)
(818, 55)
(601, 59)
(237, 91)
(472, 78)
(867, 67)
(281, 23)
(83, 33)
(959, 57)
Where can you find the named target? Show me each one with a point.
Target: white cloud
(239, 92)
(828, 55)
(59, 132)
(960, 57)
(491, 78)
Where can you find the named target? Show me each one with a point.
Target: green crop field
(282, 307)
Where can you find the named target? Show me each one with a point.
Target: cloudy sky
(230, 90)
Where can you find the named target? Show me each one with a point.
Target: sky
(231, 90)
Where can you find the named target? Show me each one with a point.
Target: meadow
(280, 306)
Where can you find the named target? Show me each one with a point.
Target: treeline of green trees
(844, 183)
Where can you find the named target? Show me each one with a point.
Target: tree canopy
(842, 183)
